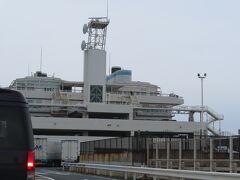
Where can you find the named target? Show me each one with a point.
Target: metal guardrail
(155, 172)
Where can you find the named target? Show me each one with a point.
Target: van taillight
(31, 161)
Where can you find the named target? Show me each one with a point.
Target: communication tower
(95, 60)
(97, 31)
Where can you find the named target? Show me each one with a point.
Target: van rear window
(13, 132)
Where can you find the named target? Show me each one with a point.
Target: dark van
(16, 138)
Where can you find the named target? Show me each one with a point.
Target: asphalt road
(58, 174)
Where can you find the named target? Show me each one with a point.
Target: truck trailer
(47, 152)
(70, 150)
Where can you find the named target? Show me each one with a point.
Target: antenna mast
(41, 61)
(28, 70)
(109, 64)
(97, 32)
(107, 9)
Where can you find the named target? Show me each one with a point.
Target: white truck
(47, 152)
(70, 150)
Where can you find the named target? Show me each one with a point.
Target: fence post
(211, 154)
(156, 154)
(230, 153)
(194, 153)
(168, 152)
(148, 154)
(180, 154)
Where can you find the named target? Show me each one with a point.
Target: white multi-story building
(106, 105)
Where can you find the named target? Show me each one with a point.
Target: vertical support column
(230, 153)
(156, 154)
(194, 153)
(147, 154)
(180, 154)
(211, 154)
(168, 152)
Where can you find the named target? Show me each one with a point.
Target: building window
(96, 93)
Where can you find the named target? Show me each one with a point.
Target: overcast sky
(163, 42)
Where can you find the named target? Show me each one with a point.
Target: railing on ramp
(153, 172)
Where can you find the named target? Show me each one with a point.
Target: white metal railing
(78, 105)
(214, 131)
(130, 93)
(47, 90)
(207, 109)
(155, 172)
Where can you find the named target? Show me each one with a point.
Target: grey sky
(163, 42)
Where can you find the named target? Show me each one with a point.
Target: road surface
(58, 174)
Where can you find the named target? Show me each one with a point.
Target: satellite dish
(85, 28)
(83, 45)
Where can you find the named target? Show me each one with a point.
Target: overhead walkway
(213, 116)
(186, 109)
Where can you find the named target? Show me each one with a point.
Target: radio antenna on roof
(41, 61)
(28, 70)
(107, 9)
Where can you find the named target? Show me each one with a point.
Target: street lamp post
(202, 77)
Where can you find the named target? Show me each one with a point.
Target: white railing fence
(153, 172)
